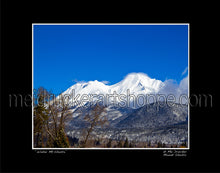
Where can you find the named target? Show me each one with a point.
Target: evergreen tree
(131, 145)
(120, 145)
(40, 117)
(149, 143)
(164, 145)
(49, 121)
(126, 145)
(97, 142)
(109, 144)
(61, 140)
(159, 145)
(184, 144)
(50, 142)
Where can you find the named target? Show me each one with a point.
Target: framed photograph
(110, 86)
(107, 94)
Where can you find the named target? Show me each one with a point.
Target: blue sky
(64, 54)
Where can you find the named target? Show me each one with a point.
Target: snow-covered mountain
(137, 83)
(133, 83)
(172, 119)
(168, 124)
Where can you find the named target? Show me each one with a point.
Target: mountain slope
(154, 116)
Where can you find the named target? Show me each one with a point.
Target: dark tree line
(50, 114)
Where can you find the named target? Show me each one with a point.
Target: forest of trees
(50, 117)
(49, 120)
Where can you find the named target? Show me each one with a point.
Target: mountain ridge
(133, 81)
(136, 84)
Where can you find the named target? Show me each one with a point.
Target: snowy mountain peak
(137, 76)
(136, 83)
